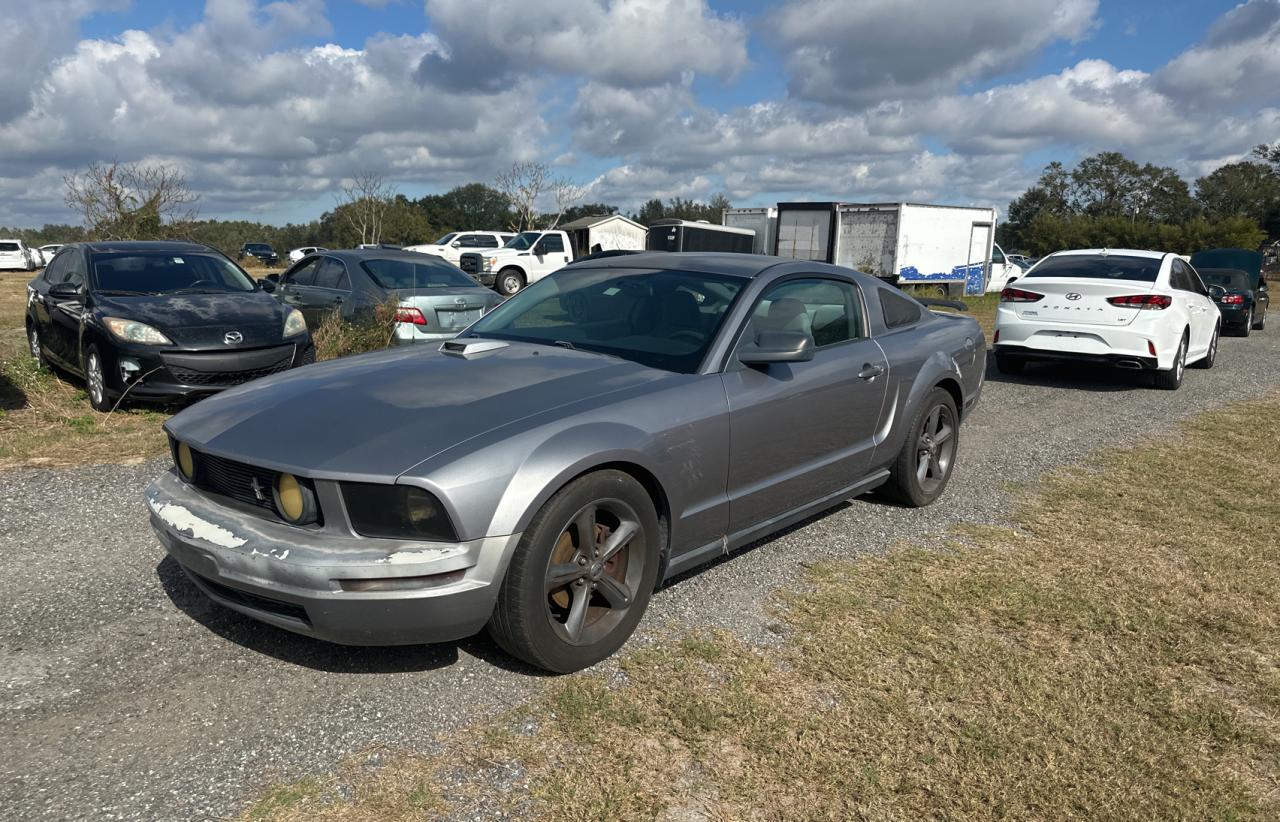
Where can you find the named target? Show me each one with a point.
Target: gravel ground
(127, 695)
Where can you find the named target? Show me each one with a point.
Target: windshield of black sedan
(661, 319)
(1225, 277)
(168, 273)
(405, 274)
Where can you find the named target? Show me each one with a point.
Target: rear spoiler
(929, 302)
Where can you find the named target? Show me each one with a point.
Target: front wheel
(95, 380)
(510, 280)
(920, 473)
(36, 348)
(582, 575)
(1171, 380)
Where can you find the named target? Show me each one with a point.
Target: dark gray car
(615, 424)
(436, 299)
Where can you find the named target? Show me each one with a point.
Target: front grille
(256, 602)
(237, 480)
(470, 263)
(187, 376)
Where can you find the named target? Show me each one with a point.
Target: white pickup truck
(526, 258)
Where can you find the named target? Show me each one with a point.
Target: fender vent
(471, 348)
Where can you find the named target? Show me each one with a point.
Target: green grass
(1114, 655)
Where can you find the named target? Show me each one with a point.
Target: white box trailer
(763, 221)
(951, 247)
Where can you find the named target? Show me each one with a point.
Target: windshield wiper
(120, 292)
(565, 344)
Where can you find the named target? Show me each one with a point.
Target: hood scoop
(470, 349)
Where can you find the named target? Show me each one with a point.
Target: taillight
(1017, 295)
(1142, 301)
(1151, 347)
(1232, 299)
(404, 314)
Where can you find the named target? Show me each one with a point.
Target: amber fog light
(186, 461)
(295, 501)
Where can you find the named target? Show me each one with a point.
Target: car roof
(1125, 252)
(114, 246)
(358, 254)
(734, 264)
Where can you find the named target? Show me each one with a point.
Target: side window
(304, 274)
(75, 270)
(484, 241)
(899, 309)
(1193, 279)
(1178, 278)
(997, 256)
(332, 274)
(57, 268)
(829, 311)
(551, 244)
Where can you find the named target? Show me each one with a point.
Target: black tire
(1261, 323)
(1171, 380)
(1247, 326)
(1208, 360)
(1007, 364)
(534, 619)
(509, 281)
(924, 452)
(35, 349)
(96, 385)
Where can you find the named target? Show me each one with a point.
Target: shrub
(336, 337)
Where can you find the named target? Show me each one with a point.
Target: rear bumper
(301, 580)
(1086, 342)
(408, 334)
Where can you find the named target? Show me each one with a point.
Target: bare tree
(132, 201)
(522, 185)
(568, 194)
(364, 203)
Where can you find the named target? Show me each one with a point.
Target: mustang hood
(200, 320)
(375, 416)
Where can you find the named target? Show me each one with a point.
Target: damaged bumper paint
(329, 583)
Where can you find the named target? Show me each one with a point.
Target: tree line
(129, 201)
(1110, 201)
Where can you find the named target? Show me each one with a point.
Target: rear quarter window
(1099, 267)
(899, 310)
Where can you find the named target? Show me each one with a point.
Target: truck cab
(1003, 270)
(526, 258)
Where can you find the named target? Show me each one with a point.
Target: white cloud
(863, 53)
(627, 43)
(1238, 64)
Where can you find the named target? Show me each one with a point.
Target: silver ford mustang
(611, 426)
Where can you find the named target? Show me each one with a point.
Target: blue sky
(268, 106)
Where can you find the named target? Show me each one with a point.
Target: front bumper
(300, 579)
(169, 374)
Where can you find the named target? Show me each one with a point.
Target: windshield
(405, 274)
(1099, 267)
(523, 241)
(446, 239)
(257, 247)
(1225, 277)
(157, 273)
(660, 319)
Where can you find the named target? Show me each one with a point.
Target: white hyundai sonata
(1143, 310)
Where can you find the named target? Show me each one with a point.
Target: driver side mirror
(65, 291)
(266, 285)
(777, 346)
(1217, 292)
(456, 244)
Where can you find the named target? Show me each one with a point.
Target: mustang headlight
(295, 500)
(135, 332)
(396, 512)
(185, 459)
(294, 323)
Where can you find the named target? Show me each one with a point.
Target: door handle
(870, 371)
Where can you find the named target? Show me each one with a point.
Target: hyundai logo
(232, 337)
(1073, 296)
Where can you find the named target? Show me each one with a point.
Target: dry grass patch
(1117, 655)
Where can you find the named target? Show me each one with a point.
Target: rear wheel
(510, 280)
(1212, 353)
(920, 473)
(1171, 380)
(1261, 322)
(1248, 323)
(581, 577)
(1007, 364)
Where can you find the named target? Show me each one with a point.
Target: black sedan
(1242, 310)
(158, 321)
(262, 252)
(436, 300)
(1247, 311)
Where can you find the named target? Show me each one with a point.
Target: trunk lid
(1083, 300)
(448, 309)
